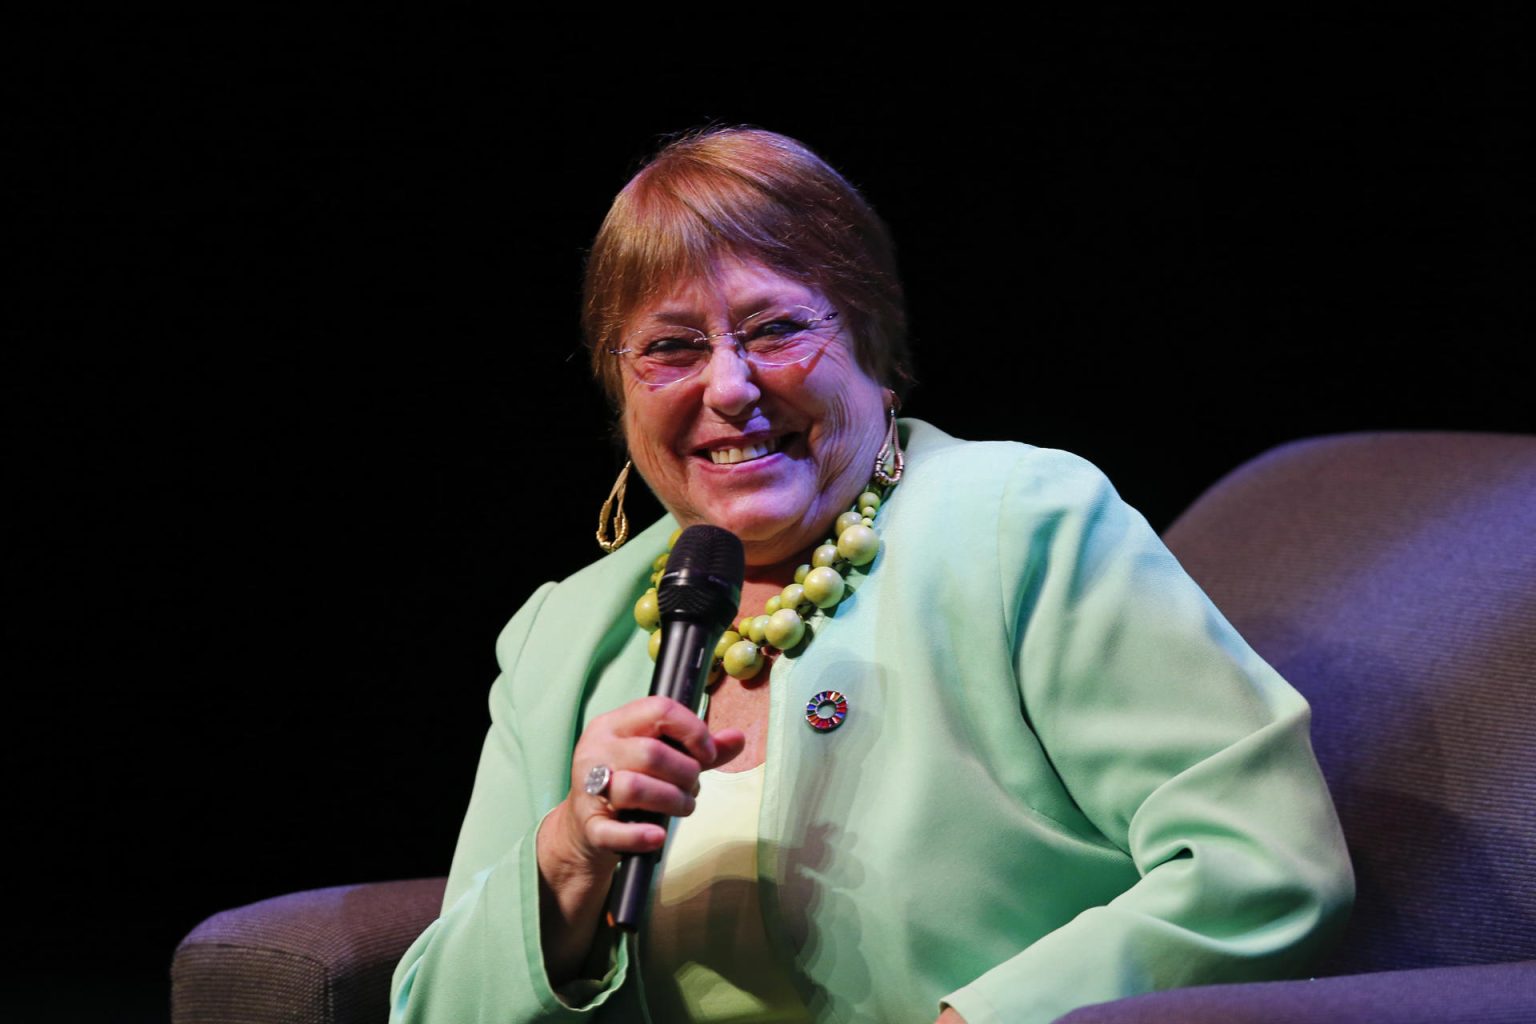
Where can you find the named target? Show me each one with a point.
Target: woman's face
(773, 455)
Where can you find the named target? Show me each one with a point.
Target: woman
(1009, 762)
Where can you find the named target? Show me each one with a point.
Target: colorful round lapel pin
(826, 710)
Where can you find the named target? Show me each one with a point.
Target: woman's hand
(649, 774)
(950, 1016)
(580, 842)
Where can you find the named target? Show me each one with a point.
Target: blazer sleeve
(482, 960)
(1183, 748)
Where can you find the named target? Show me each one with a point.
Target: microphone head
(702, 581)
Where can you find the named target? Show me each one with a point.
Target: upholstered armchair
(1392, 579)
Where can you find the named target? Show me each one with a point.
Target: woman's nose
(730, 385)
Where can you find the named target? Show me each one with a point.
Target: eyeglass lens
(664, 354)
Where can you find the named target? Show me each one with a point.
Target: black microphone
(699, 594)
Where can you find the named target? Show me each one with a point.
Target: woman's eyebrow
(672, 316)
(760, 301)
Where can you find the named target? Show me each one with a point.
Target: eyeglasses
(664, 354)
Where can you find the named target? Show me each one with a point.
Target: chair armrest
(1484, 994)
(318, 957)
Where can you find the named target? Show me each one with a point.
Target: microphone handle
(682, 670)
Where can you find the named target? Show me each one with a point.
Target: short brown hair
(755, 195)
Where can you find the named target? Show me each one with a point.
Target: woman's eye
(671, 348)
(777, 329)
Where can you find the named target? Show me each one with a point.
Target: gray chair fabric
(1484, 994)
(1392, 579)
(319, 957)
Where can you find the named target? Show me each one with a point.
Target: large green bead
(659, 563)
(785, 628)
(742, 659)
(859, 544)
(756, 629)
(647, 611)
(792, 596)
(846, 520)
(727, 638)
(801, 571)
(654, 647)
(773, 604)
(824, 587)
(823, 556)
(869, 499)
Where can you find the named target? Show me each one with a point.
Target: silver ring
(597, 781)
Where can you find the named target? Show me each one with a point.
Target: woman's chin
(768, 534)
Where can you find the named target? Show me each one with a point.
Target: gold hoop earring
(890, 463)
(613, 509)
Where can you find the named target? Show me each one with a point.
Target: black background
(298, 414)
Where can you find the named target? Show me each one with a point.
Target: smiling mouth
(732, 456)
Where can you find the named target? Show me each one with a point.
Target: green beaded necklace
(819, 586)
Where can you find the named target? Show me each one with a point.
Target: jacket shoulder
(969, 470)
(583, 606)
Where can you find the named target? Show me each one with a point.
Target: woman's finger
(729, 743)
(653, 757)
(616, 836)
(657, 717)
(632, 791)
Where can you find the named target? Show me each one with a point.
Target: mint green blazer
(1063, 777)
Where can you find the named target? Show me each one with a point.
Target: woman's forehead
(729, 285)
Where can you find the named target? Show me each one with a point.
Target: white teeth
(731, 456)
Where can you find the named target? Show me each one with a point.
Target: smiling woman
(977, 748)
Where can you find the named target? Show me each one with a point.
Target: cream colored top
(704, 955)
